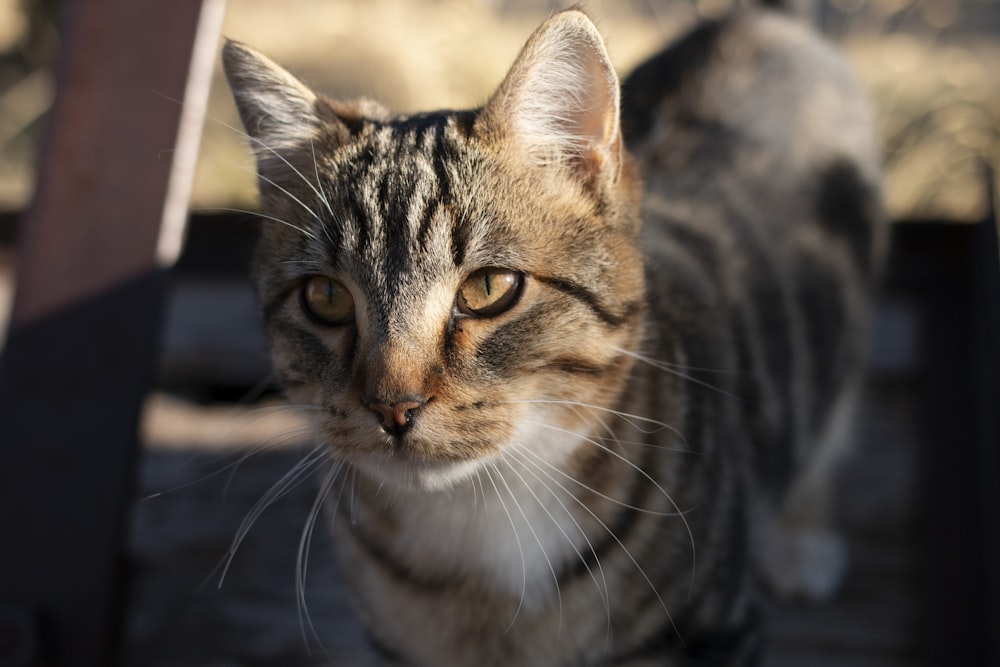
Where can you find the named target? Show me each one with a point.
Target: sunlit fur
(575, 479)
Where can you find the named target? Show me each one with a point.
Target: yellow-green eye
(489, 292)
(327, 301)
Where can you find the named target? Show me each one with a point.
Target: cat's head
(444, 289)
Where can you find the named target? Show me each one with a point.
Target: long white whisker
(677, 510)
(319, 182)
(608, 530)
(482, 489)
(602, 586)
(335, 508)
(636, 421)
(304, 232)
(613, 437)
(286, 192)
(322, 195)
(279, 489)
(277, 440)
(617, 501)
(262, 144)
(256, 141)
(669, 368)
(302, 557)
(647, 445)
(354, 497)
(676, 366)
(517, 539)
(541, 547)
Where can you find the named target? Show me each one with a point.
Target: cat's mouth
(422, 451)
(404, 471)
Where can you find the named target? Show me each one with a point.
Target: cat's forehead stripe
(393, 194)
(398, 189)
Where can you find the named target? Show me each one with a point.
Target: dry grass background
(411, 55)
(930, 64)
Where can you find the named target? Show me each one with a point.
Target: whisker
(259, 142)
(302, 557)
(517, 540)
(287, 193)
(677, 366)
(669, 368)
(647, 445)
(635, 421)
(482, 489)
(601, 589)
(323, 197)
(677, 510)
(621, 503)
(278, 490)
(354, 497)
(257, 214)
(541, 547)
(613, 437)
(319, 186)
(276, 440)
(262, 144)
(610, 533)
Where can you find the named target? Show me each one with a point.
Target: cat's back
(762, 216)
(755, 111)
(757, 144)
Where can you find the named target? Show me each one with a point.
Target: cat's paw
(803, 565)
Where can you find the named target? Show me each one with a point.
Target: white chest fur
(512, 523)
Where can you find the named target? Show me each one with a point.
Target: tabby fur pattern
(581, 358)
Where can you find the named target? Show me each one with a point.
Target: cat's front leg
(801, 556)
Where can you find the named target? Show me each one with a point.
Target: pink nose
(396, 418)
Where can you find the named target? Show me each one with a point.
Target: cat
(587, 354)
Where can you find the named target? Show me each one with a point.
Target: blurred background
(930, 66)
(216, 438)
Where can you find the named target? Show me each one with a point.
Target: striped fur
(585, 475)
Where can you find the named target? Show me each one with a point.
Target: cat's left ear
(559, 101)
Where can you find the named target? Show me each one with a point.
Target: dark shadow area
(71, 389)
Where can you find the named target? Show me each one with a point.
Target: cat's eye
(489, 292)
(327, 302)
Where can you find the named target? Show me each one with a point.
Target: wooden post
(105, 225)
(959, 516)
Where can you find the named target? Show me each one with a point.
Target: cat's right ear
(278, 111)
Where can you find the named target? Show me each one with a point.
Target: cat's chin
(427, 477)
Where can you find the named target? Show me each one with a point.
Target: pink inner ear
(597, 109)
(559, 103)
(597, 123)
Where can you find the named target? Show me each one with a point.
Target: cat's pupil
(326, 301)
(489, 292)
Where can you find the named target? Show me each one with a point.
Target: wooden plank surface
(200, 482)
(79, 353)
(208, 465)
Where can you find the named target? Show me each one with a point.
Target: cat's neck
(512, 525)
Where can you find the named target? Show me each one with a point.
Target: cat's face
(441, 290)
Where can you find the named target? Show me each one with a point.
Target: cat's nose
(397, 418)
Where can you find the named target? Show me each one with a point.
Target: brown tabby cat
(575, 387)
